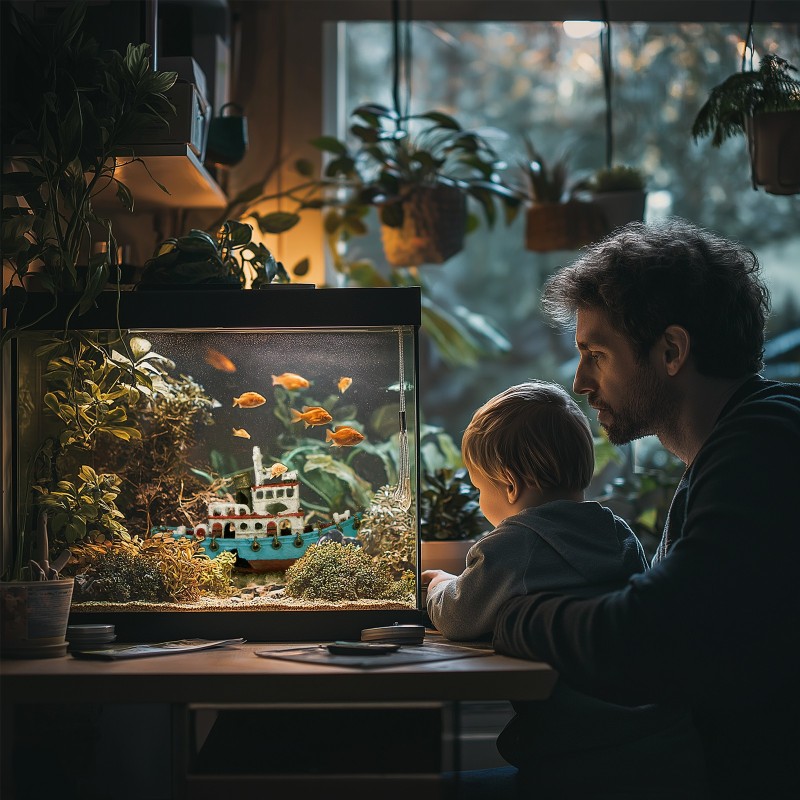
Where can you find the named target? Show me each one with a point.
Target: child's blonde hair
(534, 432)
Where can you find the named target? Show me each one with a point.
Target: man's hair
(534, 432)
(647, 277)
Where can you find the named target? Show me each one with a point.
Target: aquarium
(220, 463)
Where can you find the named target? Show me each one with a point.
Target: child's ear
(512, 487)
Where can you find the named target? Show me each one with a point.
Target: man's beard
(650, 409)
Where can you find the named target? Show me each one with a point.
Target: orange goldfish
(313, 415)
(249, 400)
(219, 361)
(343, 436)
(241, 433)
(277, 469)
(344, 384)
(290, 381)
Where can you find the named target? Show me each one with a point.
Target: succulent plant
(619, 178)
(449, 508)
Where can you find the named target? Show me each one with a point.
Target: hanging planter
(774, 146)
(434, 223)
(619, 192)
(563, 226)
(764, 106)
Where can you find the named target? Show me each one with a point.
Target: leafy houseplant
(764, 106)
(69, 119)
(64, 132)
(418, 171)
(555, 220)
(229, 257)
(450, 519)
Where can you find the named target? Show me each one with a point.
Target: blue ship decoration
(272, 535)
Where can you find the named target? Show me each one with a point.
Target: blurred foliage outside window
(517, 79)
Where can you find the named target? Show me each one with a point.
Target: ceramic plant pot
(34, 617)
(433, 228)
(451, 556)
(774, 143)
(620, 208)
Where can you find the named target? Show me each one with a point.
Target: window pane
(533, 79)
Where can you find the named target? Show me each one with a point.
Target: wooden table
(234, 677)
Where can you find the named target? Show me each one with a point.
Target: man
(670, 331)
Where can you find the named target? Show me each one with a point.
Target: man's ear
(676, 344)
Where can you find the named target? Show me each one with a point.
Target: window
(533, 78)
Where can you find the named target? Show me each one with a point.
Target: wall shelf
(176, 167)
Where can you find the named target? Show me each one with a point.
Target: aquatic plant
(333, 571)
(387, 533)
(155, 569)
(82, 508)
(159, 484)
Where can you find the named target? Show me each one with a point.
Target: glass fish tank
(220, 463)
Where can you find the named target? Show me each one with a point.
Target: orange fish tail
(275, 381)
(235, 402)
(296, 415)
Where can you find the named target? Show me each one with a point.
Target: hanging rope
(748, 39)
(605, 62)
(401, 57)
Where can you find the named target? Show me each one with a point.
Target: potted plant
(229, 258)
(418, 171)
(68, 121)
(34, 603)
(64, 129)
(764, 106)
(620, 193)
(450, 519)
(555, 219)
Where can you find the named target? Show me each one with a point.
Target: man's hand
(433, 577)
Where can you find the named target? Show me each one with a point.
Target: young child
(529, 452)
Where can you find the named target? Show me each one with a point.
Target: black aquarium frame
(280, 306)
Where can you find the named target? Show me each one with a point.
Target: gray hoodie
(559, 546)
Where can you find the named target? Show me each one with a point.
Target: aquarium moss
(333, 571)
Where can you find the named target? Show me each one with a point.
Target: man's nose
(581, 384)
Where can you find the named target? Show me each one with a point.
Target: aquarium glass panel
(248, 468)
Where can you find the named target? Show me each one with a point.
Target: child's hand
(433, 577)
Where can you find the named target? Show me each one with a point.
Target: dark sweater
(716, 622)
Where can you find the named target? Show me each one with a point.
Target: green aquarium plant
(228, 256)
(340, 572)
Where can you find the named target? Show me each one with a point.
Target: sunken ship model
(271, 536)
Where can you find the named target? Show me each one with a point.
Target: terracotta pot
(620, 208)
(563, 226)
(451, 556)
(774, 143)
(433, 229)
(34, 618)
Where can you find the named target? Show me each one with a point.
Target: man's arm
(717, 620)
